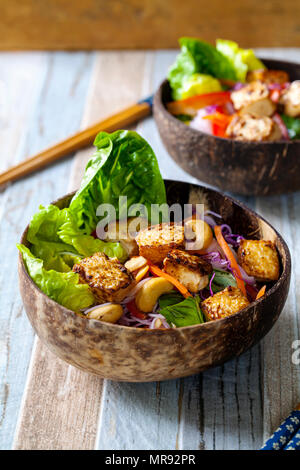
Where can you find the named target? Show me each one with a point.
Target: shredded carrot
(261, 292)
(228, 253)
(158, 272)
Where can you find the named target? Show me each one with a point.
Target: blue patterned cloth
(294, 443)
(286, 434)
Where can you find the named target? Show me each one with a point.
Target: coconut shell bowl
(248, 168)
(142, 355)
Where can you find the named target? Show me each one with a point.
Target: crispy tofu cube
(156, 241)
(259, 259)
(190, 270)
(291, 99)
(225, 303)
(259, 108)
(253, 129)
(253, 99)
(268, 76)
(108, 279)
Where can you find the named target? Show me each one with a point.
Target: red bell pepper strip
(275, 95)
(191, 105)
(135, 311)
(220, 122)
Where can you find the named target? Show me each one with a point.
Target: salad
(102, 258)
(226, 91)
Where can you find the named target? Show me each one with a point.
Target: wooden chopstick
(77, 141)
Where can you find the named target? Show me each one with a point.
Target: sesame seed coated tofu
(253, 99)
(189, 270)
(253, 129)
(259, 259)
(268, 76)
(108, 279)
(156, 241)
(291, 99)
(225, 303)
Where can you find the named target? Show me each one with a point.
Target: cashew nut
(108, 313)
(141, 273)
(135, 263)
(149, 293)
(200, 233)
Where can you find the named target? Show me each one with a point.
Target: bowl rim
(157, 101)
(286, 271)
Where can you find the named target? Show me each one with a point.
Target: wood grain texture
(228, 407)
(33, 95)
(120, 24)
(75, 396)
(46, 99)
(281, 378)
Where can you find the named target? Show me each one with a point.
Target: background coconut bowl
(137, 355)
(249, 168)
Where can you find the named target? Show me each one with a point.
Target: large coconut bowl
(137, 355)
(249, 168)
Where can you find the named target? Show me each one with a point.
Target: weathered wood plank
(281, 378)
(37, 81)
(18, 72)
(149, 24)
(62, 404)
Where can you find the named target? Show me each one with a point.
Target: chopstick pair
(79, 140)
(287, 436)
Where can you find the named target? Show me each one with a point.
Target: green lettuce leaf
(242, 60)
(185, 313)
(198, 56)
(64, 288)
(123, 165)
(198, 84)
(293, 126)
(87, 245)
(57, 240)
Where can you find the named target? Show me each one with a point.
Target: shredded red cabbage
(282, 126)
(210, 284)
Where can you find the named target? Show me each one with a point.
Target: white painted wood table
(46, 404)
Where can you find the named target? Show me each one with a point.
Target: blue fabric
(294, 443)
(283, 435)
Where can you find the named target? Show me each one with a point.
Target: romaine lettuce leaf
(198, 56)
(123, 165)
(57, 240)
(241, 59)
(185, 313)
(64, 288)
(198, 84)
(87, 245)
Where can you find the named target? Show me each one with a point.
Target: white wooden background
(46, 404)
